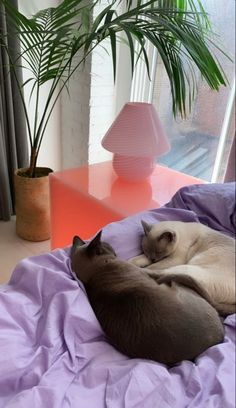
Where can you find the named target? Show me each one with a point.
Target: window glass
(195, 140)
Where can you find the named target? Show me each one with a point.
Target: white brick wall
(94, 102)
(88, 112)
(75, 119)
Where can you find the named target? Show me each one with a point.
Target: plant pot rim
(40, 171)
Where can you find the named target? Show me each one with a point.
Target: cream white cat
(174, 249)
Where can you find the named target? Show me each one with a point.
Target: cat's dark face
(85, 256)
(157, 245)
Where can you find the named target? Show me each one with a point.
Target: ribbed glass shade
(137, 131)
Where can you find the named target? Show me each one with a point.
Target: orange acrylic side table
(85, 199)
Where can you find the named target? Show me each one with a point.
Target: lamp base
(133, 169)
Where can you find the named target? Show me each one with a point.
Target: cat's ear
(146, 227)
(95, 243)
(167, 236)
(77, 241)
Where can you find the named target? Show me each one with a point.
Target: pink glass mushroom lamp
(136, 138)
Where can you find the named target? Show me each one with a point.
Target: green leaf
(57, 40)
(113, 49)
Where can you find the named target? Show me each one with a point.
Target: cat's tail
(191, 283)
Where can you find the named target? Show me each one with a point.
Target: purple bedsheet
(53, 352)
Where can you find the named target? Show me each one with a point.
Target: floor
(13, 249)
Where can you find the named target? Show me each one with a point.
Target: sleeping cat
(142, 319)
(176, 249)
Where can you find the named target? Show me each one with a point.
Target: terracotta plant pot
(32, 205)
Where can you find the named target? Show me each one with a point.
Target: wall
(94, 103)
(75, 119)
(89, 111)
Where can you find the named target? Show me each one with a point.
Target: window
(199, 145)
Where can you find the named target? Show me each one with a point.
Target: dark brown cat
(141, 318)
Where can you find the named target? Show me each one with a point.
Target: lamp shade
(136, 132)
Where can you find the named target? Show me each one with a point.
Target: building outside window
(201, 143)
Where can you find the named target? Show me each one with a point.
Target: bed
(53, 352)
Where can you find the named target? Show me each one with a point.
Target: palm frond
(53, 38)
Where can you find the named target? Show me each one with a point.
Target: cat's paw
(155, 275)
(141, 260)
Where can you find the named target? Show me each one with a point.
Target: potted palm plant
(57, 40)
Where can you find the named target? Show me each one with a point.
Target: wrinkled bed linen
(53, 352)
